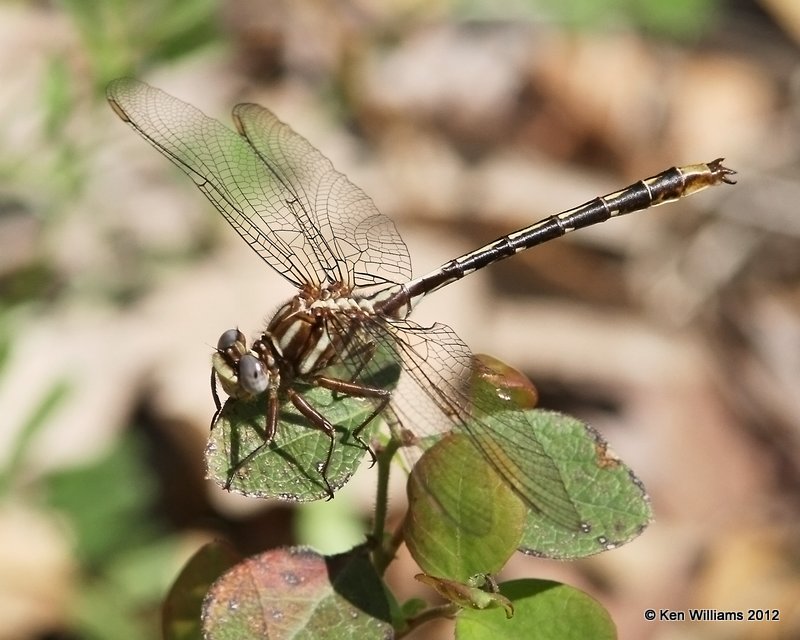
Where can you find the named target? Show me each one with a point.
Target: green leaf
(609, 497)
(296, 593)
(543, 610)
(583, 499)
(183, 605)
(289, 467)
(501, 430)
(462, 518)
(593, 501)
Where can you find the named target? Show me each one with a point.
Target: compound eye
(253, 379)
(230, 338)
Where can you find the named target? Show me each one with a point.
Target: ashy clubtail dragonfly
(355, 291)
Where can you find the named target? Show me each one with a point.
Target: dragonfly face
(240, 372)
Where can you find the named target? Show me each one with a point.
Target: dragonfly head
(241, 373)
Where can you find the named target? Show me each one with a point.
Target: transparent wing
(264, 197)
(435, 395)
(338, 215)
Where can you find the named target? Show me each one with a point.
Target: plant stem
(383, 554)
(389, 549)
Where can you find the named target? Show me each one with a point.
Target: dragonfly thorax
(307, 335)
(304, 336)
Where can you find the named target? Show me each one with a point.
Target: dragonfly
(354, 286)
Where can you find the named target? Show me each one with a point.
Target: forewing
(338, 218)
(264, 210)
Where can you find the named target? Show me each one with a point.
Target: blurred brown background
(676, 333)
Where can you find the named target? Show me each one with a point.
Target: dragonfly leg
(269, 433)
(217, 403)
(318, 421)
(362, 354)
(356, 390)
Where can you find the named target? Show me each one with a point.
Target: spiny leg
(217, 403)
(356, 390)
(363, 354)
(270, 428)
(319, 422)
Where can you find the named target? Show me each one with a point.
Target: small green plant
(463, 524)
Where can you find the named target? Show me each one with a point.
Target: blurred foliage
(43, 170)
(68, 160)
(677, 19)
(5, 343)
(34, 424)
(102, 500)
(46, 172)
(49, 402)
(108, 508)
(122, 36)
(680, 19)
(125, 555)
(119, 38)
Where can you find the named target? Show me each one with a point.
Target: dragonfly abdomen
(667, 186)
